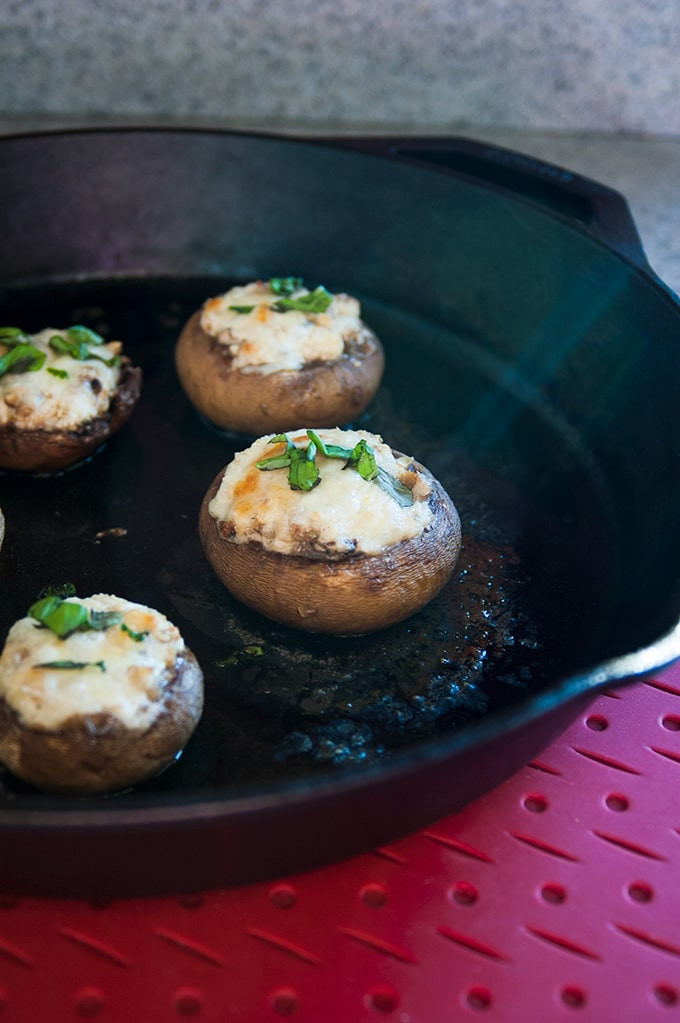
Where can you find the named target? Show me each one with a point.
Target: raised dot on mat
(89, 1001)
(640, 892)
(187, 1001)
(535, 803)
(671, 722)
(553, 893)
(283, 895)
(373, 894)
(597, 722)
(573, 997)
(617, 802)
(464, 893)
(285, 1001)
(382, 998)
(479, 998)
(666, 994)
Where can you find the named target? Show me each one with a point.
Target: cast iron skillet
(532, 360)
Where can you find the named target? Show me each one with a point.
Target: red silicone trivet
(555, 897)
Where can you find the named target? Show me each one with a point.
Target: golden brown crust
(357, 594)
(324, 393)
(97, 753)
(52, 450)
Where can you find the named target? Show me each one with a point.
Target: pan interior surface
(523, 605)
(522, 359)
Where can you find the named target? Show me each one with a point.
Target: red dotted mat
(555, 897)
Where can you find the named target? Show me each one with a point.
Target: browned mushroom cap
(98, 753)
(52, 450)
(324, 393)
(350, 596)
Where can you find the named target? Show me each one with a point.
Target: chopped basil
(316, 301)
(363, 460)
(105, 619)
(137, 636)
(84, 335)
(329, 450)
(59, 590)
(303, 472)
(78, 349)
(12, 336)
(72, 665)
(60, 373)
(242, 308)
(21, 358)
(394, 487)
(285, 285)
(64, 617)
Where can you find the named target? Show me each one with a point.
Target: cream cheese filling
(64, 393)
(124, 677)
(263, 340)
(342, 514)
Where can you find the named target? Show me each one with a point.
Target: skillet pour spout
(531, 360)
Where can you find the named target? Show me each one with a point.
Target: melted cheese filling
(45, 400)
(124, 677)
(342, 514)
(263, 340)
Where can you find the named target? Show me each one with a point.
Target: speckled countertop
(644, 168)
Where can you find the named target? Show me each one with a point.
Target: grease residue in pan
(278, 702)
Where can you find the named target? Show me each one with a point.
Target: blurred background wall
(563, 65)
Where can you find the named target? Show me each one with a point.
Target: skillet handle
(601, 210)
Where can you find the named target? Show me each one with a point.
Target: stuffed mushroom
(96, 694)
(268, 355)
(330, 531)
(62, 394)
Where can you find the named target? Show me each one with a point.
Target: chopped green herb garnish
(363, 460)
(21, 358)
(12, 336)
(316, 301)
(84, 335)
(137, 636)
(329, 450)
(303, 472)
(104, 619)
(79, 349)
(72, 665)
(242, 308)
(59, 590)
(64, 617)
(394, 487)
(60, 373)
(285, 285)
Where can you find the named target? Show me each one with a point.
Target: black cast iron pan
(531, 365)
